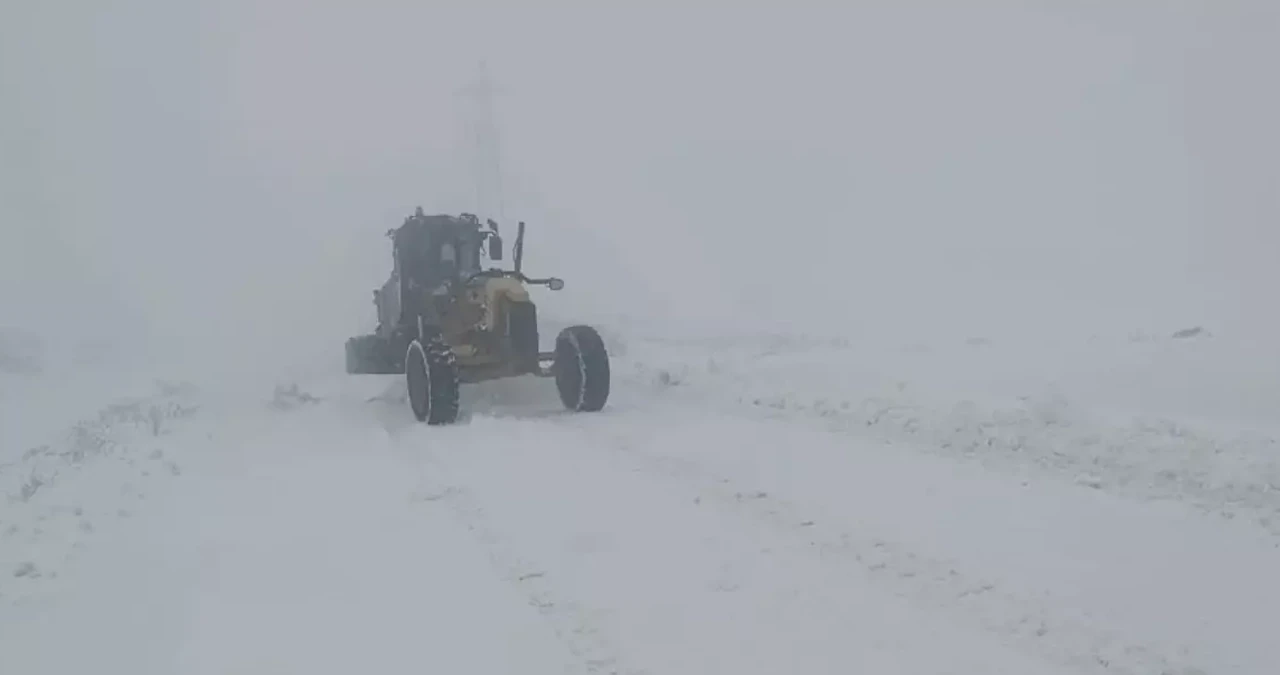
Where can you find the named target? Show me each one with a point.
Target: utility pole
(486, 159)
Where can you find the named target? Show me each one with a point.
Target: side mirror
(495, 247)
(555, 284)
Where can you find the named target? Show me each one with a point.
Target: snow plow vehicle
(444, 321)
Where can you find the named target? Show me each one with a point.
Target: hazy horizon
(221, 175)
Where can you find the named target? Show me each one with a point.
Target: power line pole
(486, 161)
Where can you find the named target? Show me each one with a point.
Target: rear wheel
(582, 369)
(431, 375)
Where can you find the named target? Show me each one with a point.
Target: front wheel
(582, 369)
(431, 375)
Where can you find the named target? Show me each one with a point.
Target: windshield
(468, 254)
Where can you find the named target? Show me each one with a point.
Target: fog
(213, 180)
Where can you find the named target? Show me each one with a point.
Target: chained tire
(582, 369)
(431, 375)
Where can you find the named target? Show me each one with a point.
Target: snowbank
(1194, 421)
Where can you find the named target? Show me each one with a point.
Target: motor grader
(444, 320)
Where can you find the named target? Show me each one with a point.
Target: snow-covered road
(669, 534)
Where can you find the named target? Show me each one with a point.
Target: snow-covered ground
(877, 407)
(1189, 420)
(747, 504)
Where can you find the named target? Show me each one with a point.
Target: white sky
(224, 172)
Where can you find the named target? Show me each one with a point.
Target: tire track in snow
(650, 572)
(1038, 627)
(570, 621)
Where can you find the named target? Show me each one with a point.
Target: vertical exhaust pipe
(519, 247)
